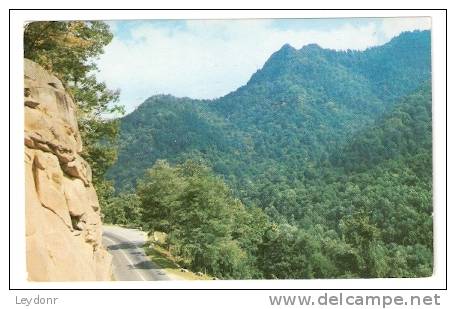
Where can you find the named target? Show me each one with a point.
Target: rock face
(63, 225)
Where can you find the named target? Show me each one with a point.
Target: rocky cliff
(63, 225)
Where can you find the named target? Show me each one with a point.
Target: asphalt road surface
(130, 262)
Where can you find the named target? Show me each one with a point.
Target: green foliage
(66, 48)
(160, 192)
(329, 151)
(199, 213)
(406, 129)
(123, 209)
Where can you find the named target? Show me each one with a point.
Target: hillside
(329, 151)
(292, 112)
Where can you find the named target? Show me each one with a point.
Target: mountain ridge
(333, 148)
(304, 98)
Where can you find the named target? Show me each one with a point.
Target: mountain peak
(287, 47)
(285, 50)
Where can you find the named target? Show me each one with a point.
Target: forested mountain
(292, 112)
(335, 147)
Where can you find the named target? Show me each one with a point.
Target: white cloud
(209, 58)
(392, 27)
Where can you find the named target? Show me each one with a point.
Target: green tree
(208, 229)
(123, 209)
(362, 234)
(159, 191)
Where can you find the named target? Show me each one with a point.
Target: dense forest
(319, 167)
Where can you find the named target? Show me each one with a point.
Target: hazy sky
(206, 59)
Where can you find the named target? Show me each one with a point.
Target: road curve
(130, 262)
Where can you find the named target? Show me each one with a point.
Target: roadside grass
(165, 260)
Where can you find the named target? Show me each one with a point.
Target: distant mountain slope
(397, 67)
(406, 130)
(285, 122)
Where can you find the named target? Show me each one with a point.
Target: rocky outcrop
(63, 225)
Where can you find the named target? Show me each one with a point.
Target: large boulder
(63, 225)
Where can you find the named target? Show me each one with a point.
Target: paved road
(130, 261)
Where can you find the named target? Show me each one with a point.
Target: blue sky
(206, 59)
